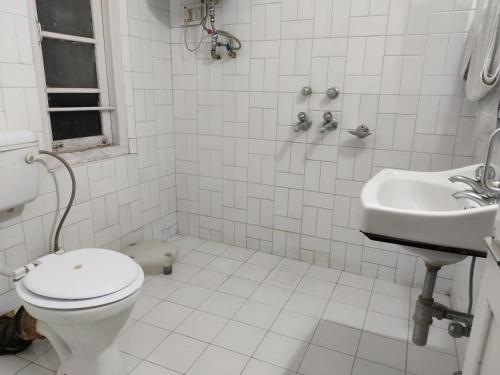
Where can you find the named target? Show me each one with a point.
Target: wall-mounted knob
(332, 92)
(306, 91)
(329, 123)
(304, 123)
(362, 131)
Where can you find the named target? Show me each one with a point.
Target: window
(75, 62)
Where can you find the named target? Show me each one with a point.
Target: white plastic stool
(154, 256)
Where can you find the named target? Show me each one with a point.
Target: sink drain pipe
(426, 309)
(423, 309)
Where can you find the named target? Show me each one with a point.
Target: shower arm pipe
(56, 246)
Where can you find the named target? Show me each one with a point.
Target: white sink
(418, 207)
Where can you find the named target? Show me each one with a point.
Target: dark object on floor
(17, 332)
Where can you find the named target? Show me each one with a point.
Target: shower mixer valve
(329, 123)
(304, 123)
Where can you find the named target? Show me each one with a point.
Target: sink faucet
(480, 199)
(475, 185)
(479, 193)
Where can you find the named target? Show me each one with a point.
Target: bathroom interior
(236, 187)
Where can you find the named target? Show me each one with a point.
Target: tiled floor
(232, 311)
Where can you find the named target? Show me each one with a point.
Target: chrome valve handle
(304, 123)
(329, 123)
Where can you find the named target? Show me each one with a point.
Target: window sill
(88, 156)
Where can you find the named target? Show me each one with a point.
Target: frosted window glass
(73, 17)
(69, 64)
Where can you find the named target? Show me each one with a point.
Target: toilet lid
(81, 274)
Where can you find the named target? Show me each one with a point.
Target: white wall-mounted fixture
(19, 178)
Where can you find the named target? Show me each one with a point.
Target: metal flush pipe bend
(56, 247)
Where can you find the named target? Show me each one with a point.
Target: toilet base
(108, 362)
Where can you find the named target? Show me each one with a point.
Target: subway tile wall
(119, 200)
(246, 178)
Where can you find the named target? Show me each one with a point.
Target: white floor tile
(347, 315)
(11, 364)
(143, 305)
(323, 273)
(423, 361)
(356, 281)
(212, 247)
(35, 350)
(316, 287)
(283, 279)
(33, 369)
(167, 315)
(197, 259)
(147, 368)
(141, 339)
(202, 326)
(253, 272)
(389, 305)
(281, 351)
(337, 337)
(177, 352)
(306, 304)
(240, 337)
(129, 362)
(264, 259)
(392, 289)
(239, 287)
(183, 272)
(218, 361)
(386, 325)
(257, 314)
(351, 296)
(222, 304)
(49, 360)
(224, 265)
(256, 367)
(238, 253)
(190, 295)
(321, 361)
(383, 350)
(298, 326)
(160, 287)
(293, 266)
(272, 295)
(208, 279)
(364, 367)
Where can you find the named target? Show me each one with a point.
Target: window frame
(108, 59)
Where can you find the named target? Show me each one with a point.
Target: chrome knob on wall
(304, 123)
(306, 91)
(362, 131)
(329, 123)
(332, 92)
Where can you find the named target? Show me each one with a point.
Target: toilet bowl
(81, 300)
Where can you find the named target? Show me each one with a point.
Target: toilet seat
(80, 279)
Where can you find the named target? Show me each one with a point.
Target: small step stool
(154, 256)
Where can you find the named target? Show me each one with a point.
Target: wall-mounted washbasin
(417, 209)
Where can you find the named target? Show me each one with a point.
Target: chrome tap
(329, 123)
(476, 186)
(480, 199)
(304, 123)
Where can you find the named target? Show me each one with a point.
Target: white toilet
(82, 298)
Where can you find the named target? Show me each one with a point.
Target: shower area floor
(228, 310)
